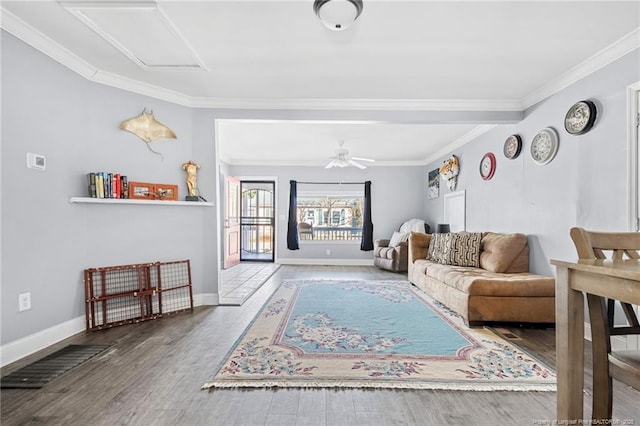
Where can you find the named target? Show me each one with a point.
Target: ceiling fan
(343, 159)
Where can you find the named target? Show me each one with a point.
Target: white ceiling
(435, 56)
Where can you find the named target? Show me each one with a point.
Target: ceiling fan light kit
(343, 159)
(337, 14)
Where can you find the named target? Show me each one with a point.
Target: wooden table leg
(569, 348)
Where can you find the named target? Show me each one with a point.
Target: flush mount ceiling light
(337, 14)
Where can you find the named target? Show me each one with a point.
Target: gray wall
(397, 194)
(47, 242)
(585, 185)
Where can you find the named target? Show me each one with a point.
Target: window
(330, 217)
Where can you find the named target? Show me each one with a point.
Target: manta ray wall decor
(147, 128)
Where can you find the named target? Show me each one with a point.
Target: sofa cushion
(464, 249)
(397, 238)
(480, 282)
(504, 252)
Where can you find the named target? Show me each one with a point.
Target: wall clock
(512, 147)
(544, 146)
(488, 166)
(580, 117)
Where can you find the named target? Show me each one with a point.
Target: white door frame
(633, 140)
(633, 111)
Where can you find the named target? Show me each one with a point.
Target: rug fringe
(386, 385)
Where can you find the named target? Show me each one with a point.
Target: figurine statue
(192, 180)
(449, 172)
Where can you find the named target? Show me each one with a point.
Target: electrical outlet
(328, 252)
(24, 301)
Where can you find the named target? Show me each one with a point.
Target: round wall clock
(544, 146)
(488, 166)
(580, 117)
(512, 147)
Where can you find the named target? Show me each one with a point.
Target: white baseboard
(206, 299)
(329, 262)
(25, 346)
(20, 348)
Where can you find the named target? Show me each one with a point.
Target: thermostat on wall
(35, 161)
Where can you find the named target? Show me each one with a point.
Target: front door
(232, 223)
(257, 221)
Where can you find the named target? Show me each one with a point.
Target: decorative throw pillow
(434, 253)
(397, 238)
(464, 249)
(439, 248)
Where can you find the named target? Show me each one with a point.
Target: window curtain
(366, 244)
(292, 226)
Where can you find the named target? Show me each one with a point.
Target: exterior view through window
(330, 217)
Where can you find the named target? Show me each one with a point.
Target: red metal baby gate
(118, 295)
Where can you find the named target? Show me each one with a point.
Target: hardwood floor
(153, 372)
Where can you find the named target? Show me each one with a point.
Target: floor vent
(41, 372)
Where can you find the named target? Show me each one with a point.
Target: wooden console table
(613, 279)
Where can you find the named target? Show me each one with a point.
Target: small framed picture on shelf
(142, 191)
(166, 192)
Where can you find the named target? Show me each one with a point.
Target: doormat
(372, 334)
(41, 372)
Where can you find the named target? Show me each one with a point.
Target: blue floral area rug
(372, 334)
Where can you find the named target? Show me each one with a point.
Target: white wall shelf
(89, 200)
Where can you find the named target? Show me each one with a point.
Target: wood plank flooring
(153, 372)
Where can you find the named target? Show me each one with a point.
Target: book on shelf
(124, 186)
(107, 185)
(100, 184)
(92, 185)
(108, 179)
(116, 185)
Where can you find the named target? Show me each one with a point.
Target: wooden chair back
(620, 245)
(621, 365)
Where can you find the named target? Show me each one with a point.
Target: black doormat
(41, 372)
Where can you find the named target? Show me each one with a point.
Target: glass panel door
(257, 221)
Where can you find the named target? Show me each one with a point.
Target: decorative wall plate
(488, 166)
(580, 117)
(544, 146)
(512, 147)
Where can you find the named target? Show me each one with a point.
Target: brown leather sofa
(500, 289)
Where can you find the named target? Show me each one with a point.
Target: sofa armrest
(418, 246)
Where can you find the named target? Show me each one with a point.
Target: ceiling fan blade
(331, 164)
(358, 165)
(363, 159)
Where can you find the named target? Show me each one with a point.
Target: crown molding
(604, 57)
(23, 31)
(361, 104)
(318, 163)
(135, 86)
(461, 141)
(20, 29)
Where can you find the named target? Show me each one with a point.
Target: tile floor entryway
(242, 280)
